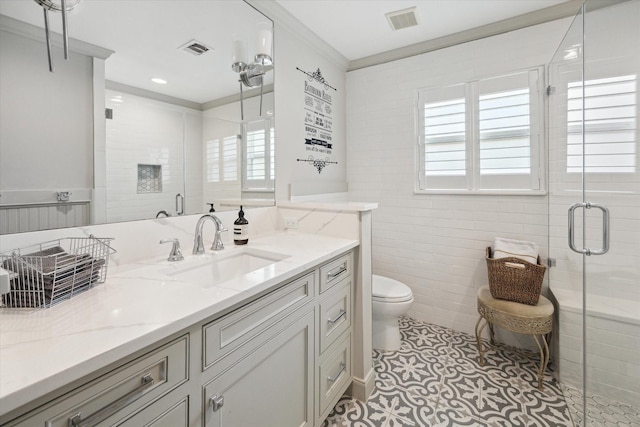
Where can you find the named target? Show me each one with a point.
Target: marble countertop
(139, 304)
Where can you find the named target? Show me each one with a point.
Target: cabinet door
(272, 387)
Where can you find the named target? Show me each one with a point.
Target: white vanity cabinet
(282, 359)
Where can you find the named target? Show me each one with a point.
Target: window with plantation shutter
(610, 125)
(483, 135)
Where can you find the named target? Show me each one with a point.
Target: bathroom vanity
(157, 345)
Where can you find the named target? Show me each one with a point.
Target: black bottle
(212, 209)
(241, 229)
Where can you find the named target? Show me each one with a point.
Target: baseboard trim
(362, 389)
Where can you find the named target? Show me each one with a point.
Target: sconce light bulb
(265, 38)
(239, 58)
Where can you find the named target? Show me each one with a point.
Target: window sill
(482, 192)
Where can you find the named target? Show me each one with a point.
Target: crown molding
(36, 33)
(132, 90)
(252, 93)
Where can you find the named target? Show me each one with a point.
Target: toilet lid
(385, 288)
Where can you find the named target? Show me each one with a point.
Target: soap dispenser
(241, 229)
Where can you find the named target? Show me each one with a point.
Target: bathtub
(613, 343)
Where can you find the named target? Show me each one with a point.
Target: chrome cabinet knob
(216, 402)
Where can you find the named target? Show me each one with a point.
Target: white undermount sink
(220, 267)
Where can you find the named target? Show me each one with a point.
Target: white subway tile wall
(436, 243)
(148, 132)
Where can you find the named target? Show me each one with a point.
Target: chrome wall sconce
(63, 6)
(252, 74)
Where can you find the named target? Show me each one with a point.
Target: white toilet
(391, 299)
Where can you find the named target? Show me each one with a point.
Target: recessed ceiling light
(159, 81)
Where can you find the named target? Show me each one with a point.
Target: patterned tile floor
(435, 380)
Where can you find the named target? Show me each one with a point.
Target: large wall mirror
(162, 108)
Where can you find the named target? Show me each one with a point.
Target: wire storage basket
(48, 273)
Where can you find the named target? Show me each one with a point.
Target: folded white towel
(503, 248)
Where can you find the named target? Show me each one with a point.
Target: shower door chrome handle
(179, 204)
(605, 229)
(571, 213)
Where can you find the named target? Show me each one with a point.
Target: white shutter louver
(222, 159)
(255, 155)
(213, 161)
(445, 143)
(610, 127)
(230, 158)
(505, 146)
(258, 155)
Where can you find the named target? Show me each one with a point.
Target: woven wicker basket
(514, 279)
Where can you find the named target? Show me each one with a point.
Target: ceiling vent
(404, 18)
(195, 47)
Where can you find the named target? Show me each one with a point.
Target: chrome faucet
(198, 244)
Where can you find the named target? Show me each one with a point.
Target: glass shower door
(595, 191)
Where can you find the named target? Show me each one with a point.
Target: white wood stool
(534, 320)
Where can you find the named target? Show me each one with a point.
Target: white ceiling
(146, 34)
(358, 28)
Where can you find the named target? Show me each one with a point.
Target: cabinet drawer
(334, 374)
(245, 326)
(117, 394)
(334, 271)
(157, 414)
(335, 314)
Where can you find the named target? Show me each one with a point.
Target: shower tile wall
(435, 243)
(144, 131)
